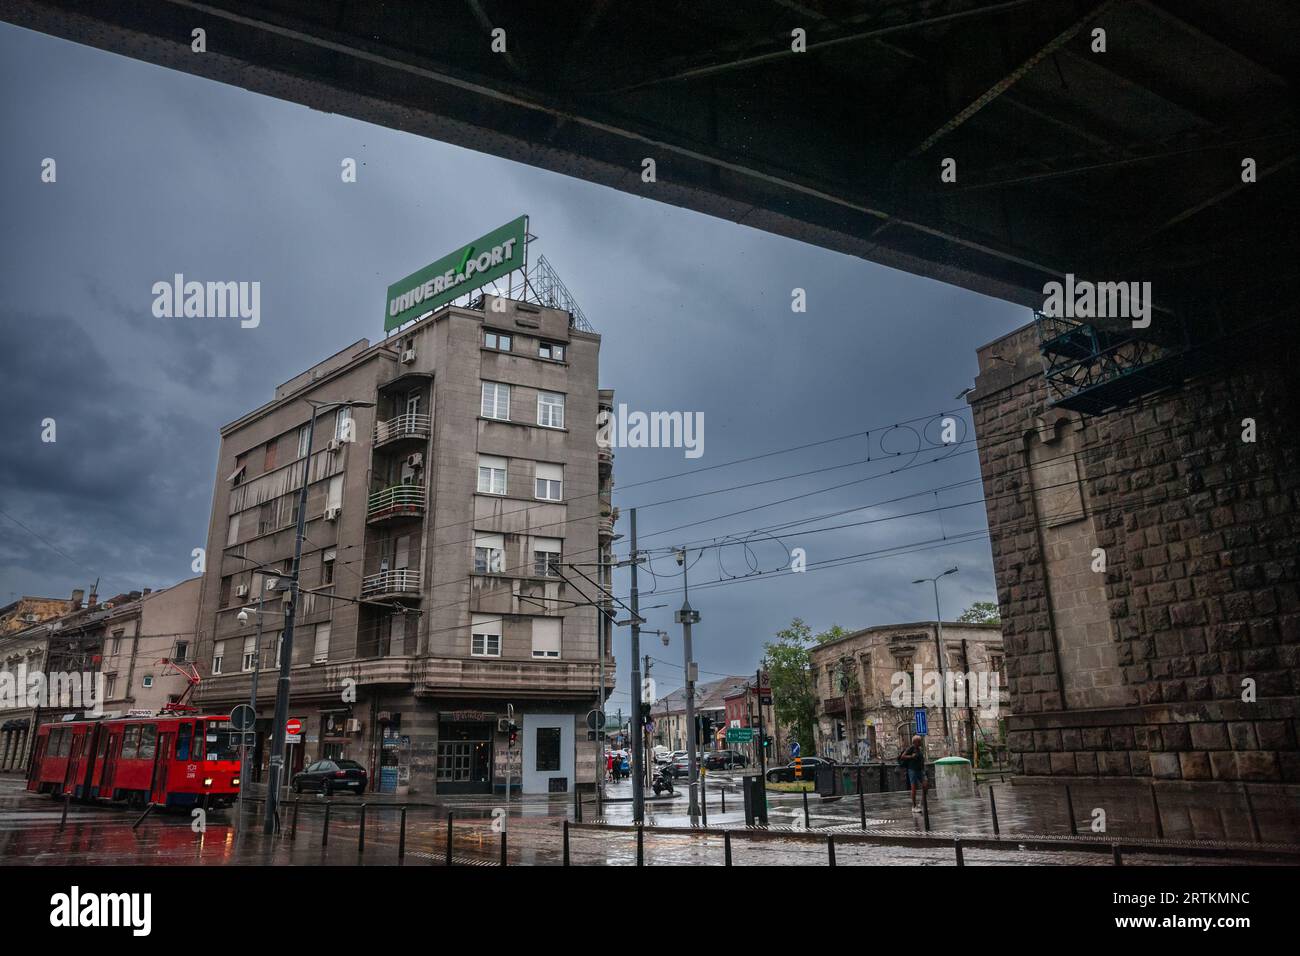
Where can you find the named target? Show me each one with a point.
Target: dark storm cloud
(161, 173)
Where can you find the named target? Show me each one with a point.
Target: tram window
(102, 747)
(56, 743)
(221, 742)
(148, 740)
(131, 742)
(183, 741)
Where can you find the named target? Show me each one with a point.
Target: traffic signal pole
(686, 617)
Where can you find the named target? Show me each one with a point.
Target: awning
(18, 723)
(236, 473)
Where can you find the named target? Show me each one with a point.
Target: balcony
(397, 502)
(404, 582)
(833, 706)
(489, 677)
(407, 426)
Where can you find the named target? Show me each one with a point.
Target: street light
(938, 649)
(290, 613)
(686, 617)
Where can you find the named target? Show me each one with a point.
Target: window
(268, 462)
(548, 482)
(413, 400)
(334, 492)
(218, 655)
(181, 653)
(550, 409)
(250, 653)
(489, 554)
(485, 636)
(550, 350)
(131, 741)
(496, 340)
(148, 681)
(232, 530)
(148, 740)
(117, 643)
(303, 441)
(546, 556)
(110, 685)
(327, 567)
(183, 736)
(266, 517)
(546, 637)
(548, 750)
(321, 653)
(496, 401)
(343, 428)
(491, 475)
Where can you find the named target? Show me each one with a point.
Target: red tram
(171, 760)
(177, 758)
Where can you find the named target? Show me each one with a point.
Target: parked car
(331, 776)
(786, 774)
(724, 760)
(680, 767)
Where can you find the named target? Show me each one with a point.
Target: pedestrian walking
(913, 758)
(609, 765)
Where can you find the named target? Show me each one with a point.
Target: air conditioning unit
(408, 356)
(353, 726)
(334, 445)
(503, 725)
(241, 590)
(332, 514)
(416, 460)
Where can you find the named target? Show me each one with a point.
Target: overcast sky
(161, 172)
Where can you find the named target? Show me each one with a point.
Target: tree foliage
(794, 691)
(981, 612)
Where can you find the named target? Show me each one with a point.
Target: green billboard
(488, 257)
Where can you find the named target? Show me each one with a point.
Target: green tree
(981, 612)
(794, 691)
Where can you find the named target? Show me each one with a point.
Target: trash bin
(953, 777)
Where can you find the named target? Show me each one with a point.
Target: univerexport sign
(489, 257)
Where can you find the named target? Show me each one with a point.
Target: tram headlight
(207, 781)
(234, 782)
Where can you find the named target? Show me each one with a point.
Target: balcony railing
(409, 425)
(396, 502)
(401, 581)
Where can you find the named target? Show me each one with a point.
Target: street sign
(740, 735)
(242, 717)
(920, 720)
(794, 748)
(595, 720)
(293, 727)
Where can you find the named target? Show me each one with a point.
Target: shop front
(465, 749)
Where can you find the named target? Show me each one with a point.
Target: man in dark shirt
(913, 758)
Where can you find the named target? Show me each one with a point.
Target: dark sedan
(331, 776)
(786, 774)
(724, 760)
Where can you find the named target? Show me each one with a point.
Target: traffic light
(767, 741)
(645, 714)
(839, 730)
(514, 733)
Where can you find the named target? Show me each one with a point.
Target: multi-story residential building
(138, 636)
(743, 708)
(870, 683)
(456, 519)
(669, 712)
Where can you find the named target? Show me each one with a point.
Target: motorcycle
(662, 781)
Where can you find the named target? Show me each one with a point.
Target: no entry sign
(294, 727)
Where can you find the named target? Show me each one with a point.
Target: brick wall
(1146, 668)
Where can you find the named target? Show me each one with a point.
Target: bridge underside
(1117, 165)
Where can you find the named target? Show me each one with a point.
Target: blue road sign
(921, 727)
(794, 748)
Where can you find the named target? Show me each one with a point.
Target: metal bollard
(925, 806)
(401, 837)
(451, 822)
(1069, 808)
(503, 846)
(862, 801)
(566, 842)
(724, 799)
(830, 849)
(325, 831)
(1115, 857)
(806, 824)
(726, 847)
(704, 802)
(577, 805)
(361, 831)
(640, 845)
(993, 808)
(67, 802)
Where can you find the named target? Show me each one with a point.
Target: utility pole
(290, 614)
(686, 617)
(602, 637)
(638, 787)
(848, 708)
(938, 650)
(758, 692)
(645, 733)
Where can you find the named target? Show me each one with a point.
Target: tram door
(74, 759)
(162, 764)
(110, 765)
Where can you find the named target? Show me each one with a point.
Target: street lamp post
(938, 649)
(290, 614)
(686, 617)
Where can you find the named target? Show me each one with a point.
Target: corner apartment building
(855, 679)
(436, 593)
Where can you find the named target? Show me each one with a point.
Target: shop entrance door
(465, 757)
